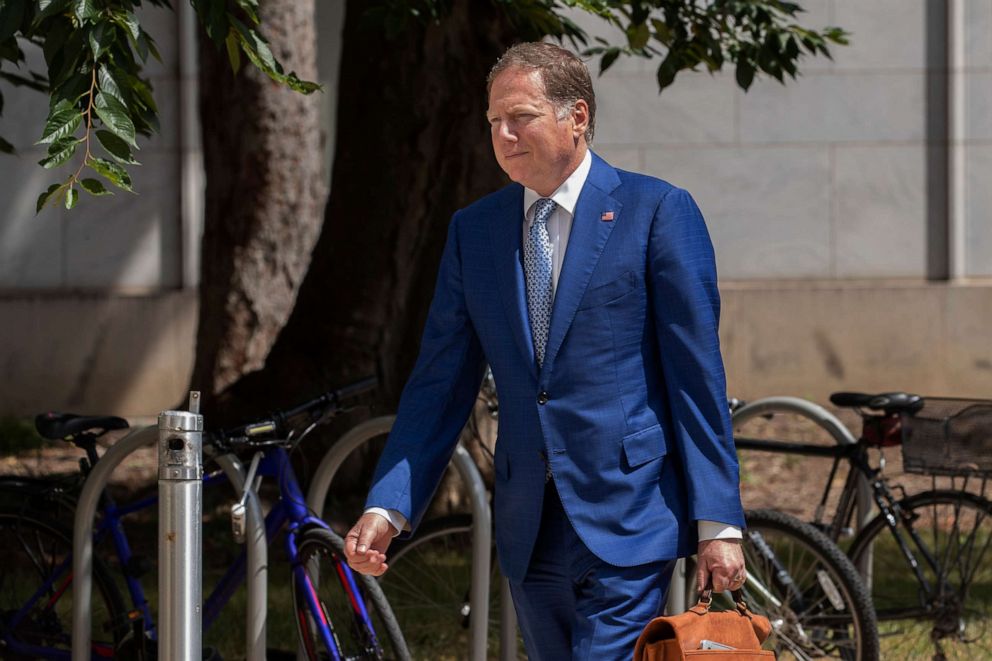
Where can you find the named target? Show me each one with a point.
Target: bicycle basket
(948, 437)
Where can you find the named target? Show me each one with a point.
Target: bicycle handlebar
(273, 430)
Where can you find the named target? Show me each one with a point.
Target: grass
(18, 435)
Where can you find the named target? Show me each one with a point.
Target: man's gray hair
(565, 77)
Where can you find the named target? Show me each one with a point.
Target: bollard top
(180, 421)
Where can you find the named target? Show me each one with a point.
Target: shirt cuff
(395, 518)
(717, 530)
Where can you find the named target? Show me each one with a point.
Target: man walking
(592, 294)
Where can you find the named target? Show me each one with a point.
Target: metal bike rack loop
(827, 421)
(180, 533)
(82, 535)
(82, 567)
(481, 518)
(257, 567)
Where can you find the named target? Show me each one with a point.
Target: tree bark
(413, 146)
(264, 197)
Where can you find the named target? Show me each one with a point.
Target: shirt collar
(567, 195)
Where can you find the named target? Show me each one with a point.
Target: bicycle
(930, 576)
(344, 618)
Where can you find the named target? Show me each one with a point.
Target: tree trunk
(265, 197)
(412, 147)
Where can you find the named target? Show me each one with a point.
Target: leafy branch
(95, 52)
(756, 36)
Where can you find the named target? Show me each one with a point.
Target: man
(592, 294)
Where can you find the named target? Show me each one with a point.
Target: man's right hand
(366, 543)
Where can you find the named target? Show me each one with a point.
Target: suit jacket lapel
(506, 230)
(585, 245)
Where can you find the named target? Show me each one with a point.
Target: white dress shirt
(559, 228)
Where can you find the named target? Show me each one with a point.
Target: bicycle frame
(290, 511)
(888, 505)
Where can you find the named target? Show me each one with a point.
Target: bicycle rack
(257, 567)
(82, 534)
(826, 420)
(481, 528)
(82, 546)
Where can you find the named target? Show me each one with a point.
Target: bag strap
(706, 599)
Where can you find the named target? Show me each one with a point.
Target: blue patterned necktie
(538, 269)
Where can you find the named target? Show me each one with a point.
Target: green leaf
(48, 8)
(71, 197)
(94, 187)
(147, 45)
(63, 120)
(115, 116)
(256, 47)
(116, 147)
(233, 50)
(667, 70)
(59, 152)
(129, 22)
(251, 8)
(85, 9)
(46, 196)
(638, 36)
(100, 38)
(744, 74)
(112, 172)
(107, 83)
(609, 57)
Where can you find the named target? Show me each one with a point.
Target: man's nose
(506, 132)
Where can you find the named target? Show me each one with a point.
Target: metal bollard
(180, 537)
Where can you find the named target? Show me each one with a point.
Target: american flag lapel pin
(607, 217)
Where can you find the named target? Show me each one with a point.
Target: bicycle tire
(428, 584)
(31, 548)
(956, 623)
(356, 639)
(807, 588)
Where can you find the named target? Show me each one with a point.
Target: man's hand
(722, 561)
(366, 543)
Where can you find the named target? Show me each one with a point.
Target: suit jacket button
(542, 398)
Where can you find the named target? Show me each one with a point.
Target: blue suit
(629, 406)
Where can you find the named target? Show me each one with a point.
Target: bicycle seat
(889, 402)
(57, 426)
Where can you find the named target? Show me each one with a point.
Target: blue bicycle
(345, 616)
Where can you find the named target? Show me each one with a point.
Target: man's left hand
(722, 562)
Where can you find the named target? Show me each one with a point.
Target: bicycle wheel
(360, 621)
(949, 533)
(36, 592)
(807, 588)
(428, 584)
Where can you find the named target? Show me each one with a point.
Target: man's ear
(580, 118)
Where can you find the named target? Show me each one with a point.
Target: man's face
(532, 145)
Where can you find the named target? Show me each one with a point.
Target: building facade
(850, 210)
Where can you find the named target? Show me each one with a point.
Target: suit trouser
(572, 605)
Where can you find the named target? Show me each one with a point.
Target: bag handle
(705, 599)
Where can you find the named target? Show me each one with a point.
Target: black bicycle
(925, 557)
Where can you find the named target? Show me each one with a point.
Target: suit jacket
(629, 407)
